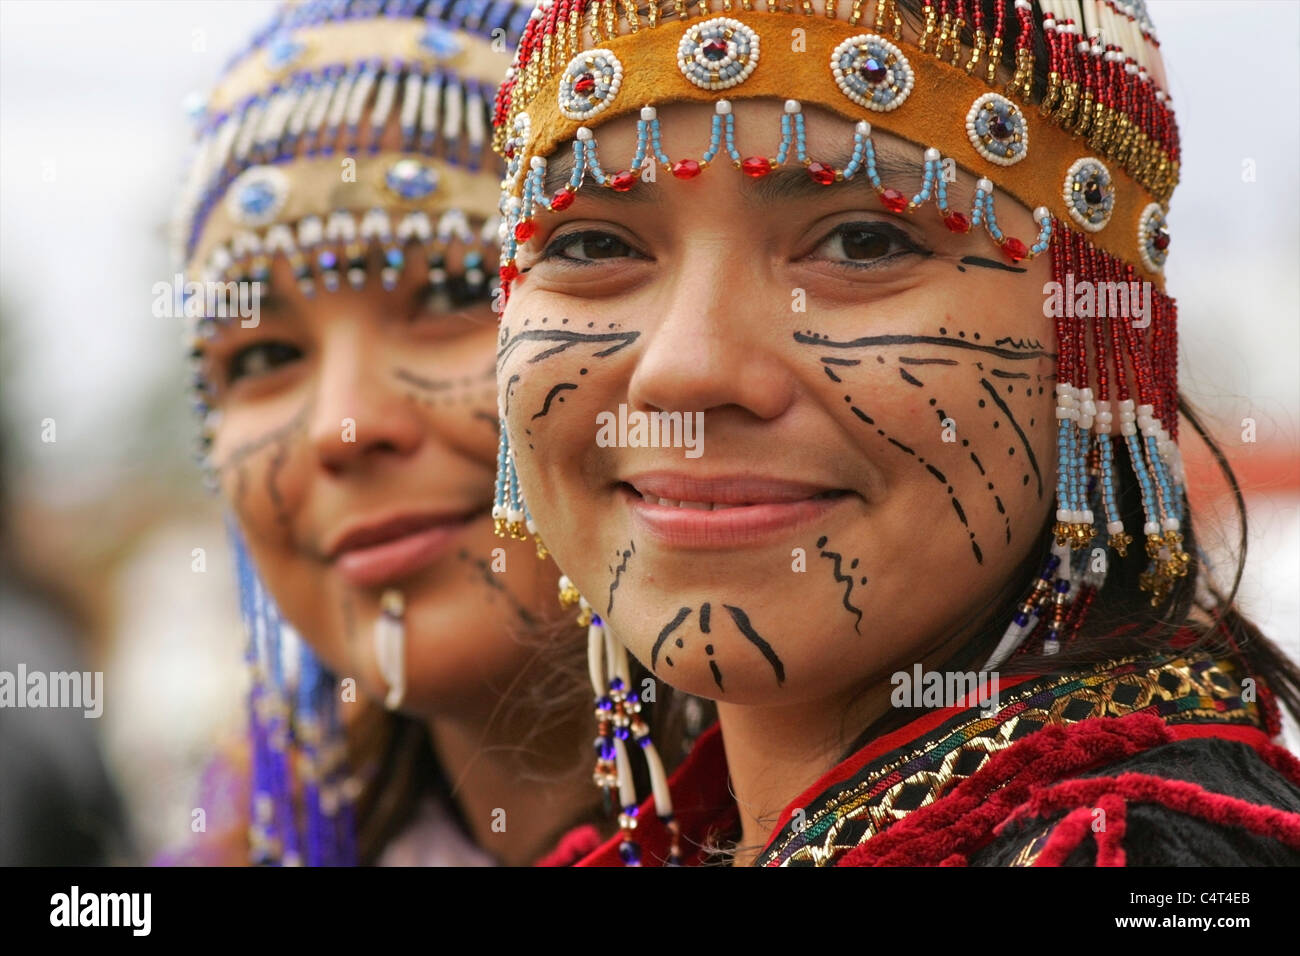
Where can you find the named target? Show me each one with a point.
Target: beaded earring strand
(390, 646)
(292, 700)
(618, 719)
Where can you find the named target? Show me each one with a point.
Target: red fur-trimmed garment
(1134, 762)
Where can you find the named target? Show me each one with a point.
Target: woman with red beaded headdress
(838, 374)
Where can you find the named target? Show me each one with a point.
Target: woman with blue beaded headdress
(343, 196)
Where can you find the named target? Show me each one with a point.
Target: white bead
(1104, 406)
(537, 162)
(1151, 527)
(1041, 215)
(932, 155)
(1062, 515)
(648, 113)
(1127, 428)
(792, 106)
(1146, 410)
(1085, 422)
(984, 185)
(584, 133)
(1085, 393)
(723, 107)
(863, 128)
(1171, 524)
(1114, 527)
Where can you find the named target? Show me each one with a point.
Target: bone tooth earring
(390, 646)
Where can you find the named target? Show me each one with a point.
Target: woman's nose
(360, 414)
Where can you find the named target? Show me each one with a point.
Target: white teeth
(692, 505)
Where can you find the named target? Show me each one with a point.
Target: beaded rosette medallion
(1057, 105)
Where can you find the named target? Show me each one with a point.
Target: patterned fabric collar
(922, 761)
(917, 765)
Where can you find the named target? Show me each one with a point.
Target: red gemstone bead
(756, 166)
(584, 84)
(956, 222)
(509, 272)
(524, 231)
(1161, 240)
(715, 50)
(622, 182)
(686, 169)
(893, 200)
(821, 173)
(1014, 249)
(562, 200)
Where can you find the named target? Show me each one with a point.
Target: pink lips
(728, 511)
(388, 550)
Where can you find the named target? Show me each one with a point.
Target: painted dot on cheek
(1011, 451)
(981, 403)
(582, 371)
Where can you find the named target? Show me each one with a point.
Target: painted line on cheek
(1033, 461)
(876, 341)
(550, 397)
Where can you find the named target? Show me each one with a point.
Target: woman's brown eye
(587, 247)
(866, 244)
(863, 244)
(260, 359)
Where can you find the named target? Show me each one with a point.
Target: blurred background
(102, 522)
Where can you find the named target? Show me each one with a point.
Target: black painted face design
(877, 414)
(349, 413)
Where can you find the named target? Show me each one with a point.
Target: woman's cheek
(262, 470)
(953, 421)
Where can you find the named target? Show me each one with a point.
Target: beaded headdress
(344, 126)
(1093, 150)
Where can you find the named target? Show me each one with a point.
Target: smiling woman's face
(877, 399)
(356, 446)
